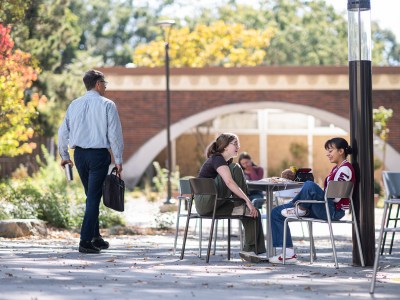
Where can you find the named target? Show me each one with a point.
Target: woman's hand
(252, 209)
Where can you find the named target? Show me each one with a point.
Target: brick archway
(198, 95)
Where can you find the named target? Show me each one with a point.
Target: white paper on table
(275, 180)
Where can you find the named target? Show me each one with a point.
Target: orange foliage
(16, 116)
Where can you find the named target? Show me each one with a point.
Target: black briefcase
(113, 191)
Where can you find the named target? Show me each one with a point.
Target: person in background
(252, 172)
(337, 150)
(230, 181)
(92, 126)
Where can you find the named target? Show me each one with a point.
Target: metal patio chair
(206, 186)
(185, 195)
(391, 182)
(335, 189)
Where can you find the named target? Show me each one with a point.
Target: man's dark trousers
(92, 166)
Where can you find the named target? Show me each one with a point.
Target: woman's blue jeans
(310, 191)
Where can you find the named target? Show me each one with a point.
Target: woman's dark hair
(245, 155)
(219, 145)
(91, 77)
(339, 143)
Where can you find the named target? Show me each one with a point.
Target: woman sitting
(230, 181)
(252, 172)
(337, 151)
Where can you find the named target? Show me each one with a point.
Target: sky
(386, 12)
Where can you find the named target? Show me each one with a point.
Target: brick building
(200, 96)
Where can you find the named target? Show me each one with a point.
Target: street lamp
(166, 26)
(360, 84)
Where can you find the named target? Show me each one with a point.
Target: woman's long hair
(339, 143)
(219, 145)
(245, 155)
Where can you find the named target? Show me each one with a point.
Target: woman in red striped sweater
(337, 151)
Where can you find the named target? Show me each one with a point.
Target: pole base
(170, 201)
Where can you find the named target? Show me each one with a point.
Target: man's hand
(119, 168)
(67, 161)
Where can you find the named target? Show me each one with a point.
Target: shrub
(164, 221)
(47, 196)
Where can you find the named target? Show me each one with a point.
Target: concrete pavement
(143, 267)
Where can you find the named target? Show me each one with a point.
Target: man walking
(91, 127)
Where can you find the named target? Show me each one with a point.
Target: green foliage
(115, 27)
(377, 163)
(13, 10)
(164, 221)
(67, 37)
(50, 33)
(161, 179)
(47, 196)
(48, 29)
(298, 158)
(107, 217)
(299, 153)
(19, 200)
(381, 117)
(306, 32)
(377, 187)
(277, 171)
(386, 50)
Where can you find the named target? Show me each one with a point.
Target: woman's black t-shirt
(210, 166)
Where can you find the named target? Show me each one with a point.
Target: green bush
(19, 199)
(161, 178)
(47, 196)
(377, 187)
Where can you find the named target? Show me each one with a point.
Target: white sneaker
(291, 212)
(251, 257)
(291, 260)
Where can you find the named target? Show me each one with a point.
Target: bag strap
(115, 170)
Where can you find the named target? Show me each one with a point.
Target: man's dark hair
(91, 77)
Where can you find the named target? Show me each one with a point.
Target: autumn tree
(220, 44)
(16, 114)
(306, 32)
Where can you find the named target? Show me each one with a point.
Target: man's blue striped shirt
(91, 121)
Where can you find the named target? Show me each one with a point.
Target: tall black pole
(360, 83)
(169, 160)
(166, 25)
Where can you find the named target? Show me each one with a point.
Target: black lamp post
(166, 26)
(360, 83)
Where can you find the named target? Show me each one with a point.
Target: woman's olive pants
(205, 206)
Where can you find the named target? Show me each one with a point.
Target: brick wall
(143, 112)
